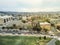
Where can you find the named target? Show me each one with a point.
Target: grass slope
(57, 42)
(22, 40)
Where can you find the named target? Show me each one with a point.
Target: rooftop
(44, 23)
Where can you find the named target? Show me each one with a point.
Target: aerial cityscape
(29, 22)
(38, 24)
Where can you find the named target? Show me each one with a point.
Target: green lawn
(22, 40)
(57, 42)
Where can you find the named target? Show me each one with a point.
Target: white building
(4, 19)
(24, 18)
(54, 21)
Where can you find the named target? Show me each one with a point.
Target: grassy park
(23, 40)
(57, 42)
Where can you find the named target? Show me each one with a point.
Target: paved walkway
(52, 42)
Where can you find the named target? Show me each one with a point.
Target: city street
(37, 35)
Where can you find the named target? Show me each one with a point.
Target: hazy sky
(29, 5)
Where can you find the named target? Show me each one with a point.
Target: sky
(29, 5)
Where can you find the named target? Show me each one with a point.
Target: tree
(20, 28)
(24, 21)
(39, 37)
(45, 29)
(7, 27)
(52, 24)
(4, 20)
(11, 27)
(3, 27)
(47, 20)
(58, 27)
(32, 18)
(37, 27)
(44, 37)
(14, 25)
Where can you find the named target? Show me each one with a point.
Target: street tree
(37, 27)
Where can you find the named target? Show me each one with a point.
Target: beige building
(45, 25)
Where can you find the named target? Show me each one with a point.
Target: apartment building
(5, 19)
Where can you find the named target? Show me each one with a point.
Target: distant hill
(24, 13)
(2, 12)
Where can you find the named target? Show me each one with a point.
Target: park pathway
(52, 42)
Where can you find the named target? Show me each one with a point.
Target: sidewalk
(52, 42)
